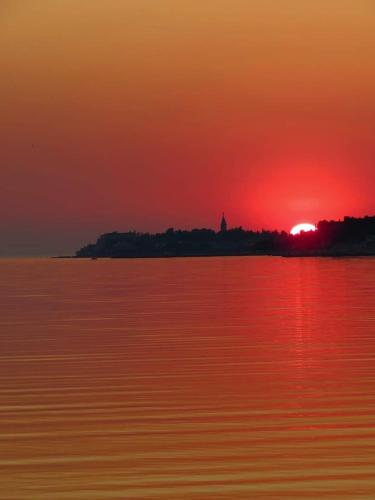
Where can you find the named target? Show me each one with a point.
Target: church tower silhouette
(223, 224)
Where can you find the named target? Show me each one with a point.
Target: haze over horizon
(145, 115)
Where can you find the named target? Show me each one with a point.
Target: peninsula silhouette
(348, 237)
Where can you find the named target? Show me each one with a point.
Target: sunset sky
(146, 114)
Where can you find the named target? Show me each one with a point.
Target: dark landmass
(350, 237)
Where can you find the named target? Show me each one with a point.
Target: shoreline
(185, 256)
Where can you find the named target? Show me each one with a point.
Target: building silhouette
(223, 224)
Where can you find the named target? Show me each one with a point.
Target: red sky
(145, 115)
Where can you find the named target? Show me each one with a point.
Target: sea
(187, 378)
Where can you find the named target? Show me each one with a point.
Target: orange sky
(145, 114)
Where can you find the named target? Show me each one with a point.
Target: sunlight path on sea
(215, 378)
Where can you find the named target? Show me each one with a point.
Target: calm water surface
(213, 378)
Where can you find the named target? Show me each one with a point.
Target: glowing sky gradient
(144, 114)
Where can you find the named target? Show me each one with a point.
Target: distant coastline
(350, 237)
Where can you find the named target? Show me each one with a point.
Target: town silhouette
(348, 237)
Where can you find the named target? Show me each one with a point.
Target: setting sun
(304, 227)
